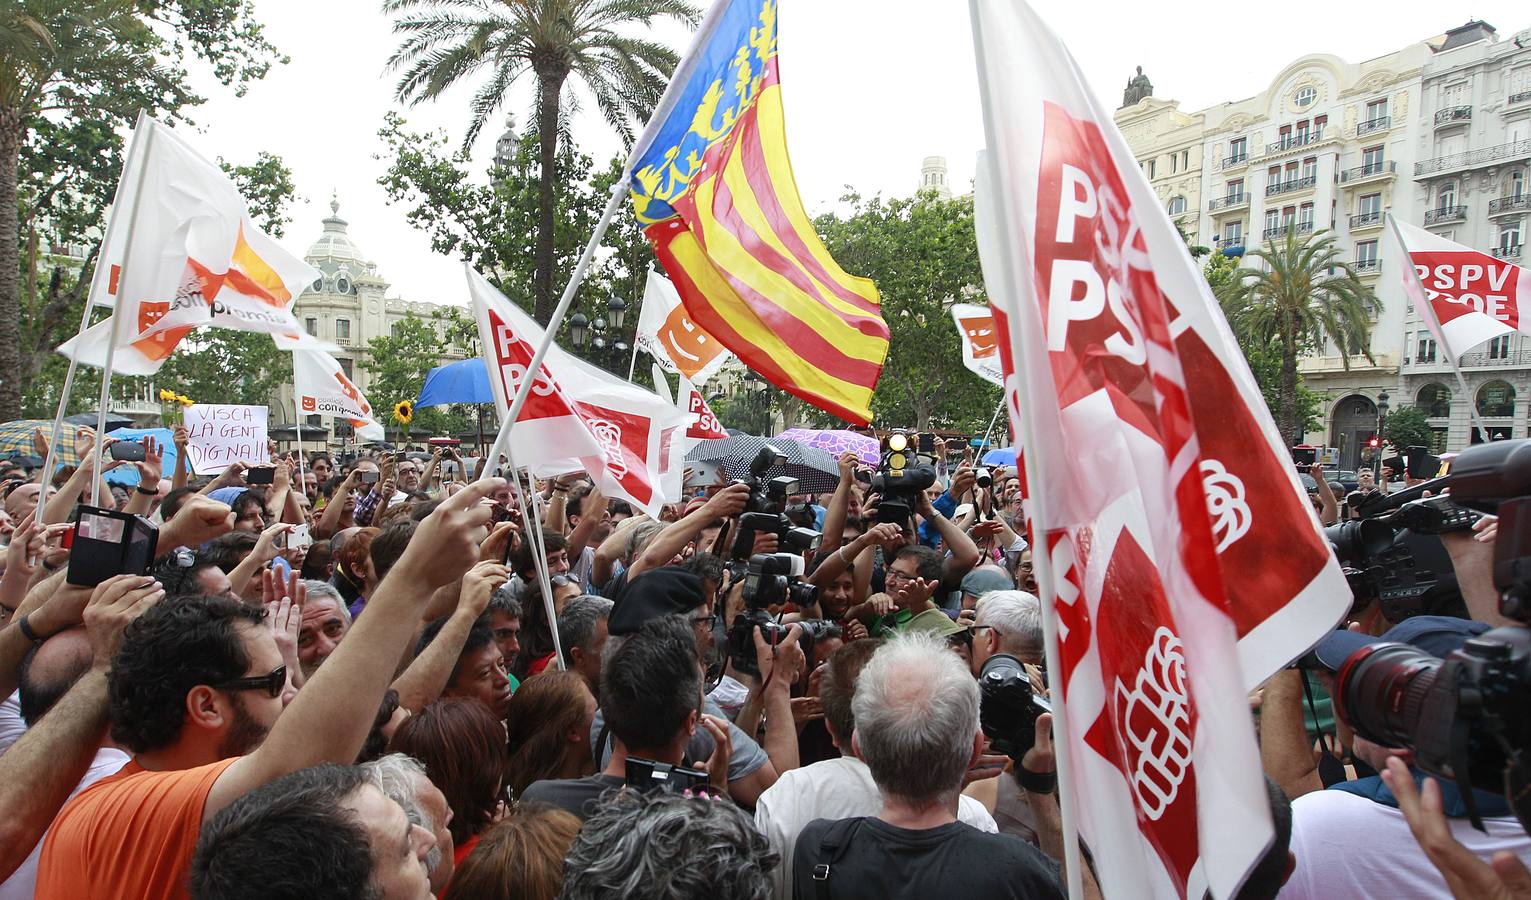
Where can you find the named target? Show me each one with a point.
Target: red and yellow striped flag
(713, 187)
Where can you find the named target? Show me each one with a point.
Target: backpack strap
(831, 847)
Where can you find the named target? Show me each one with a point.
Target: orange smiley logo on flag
(310, 404)
(980, 333)
(689, 346)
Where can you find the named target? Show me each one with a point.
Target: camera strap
(1330, 770)
(831, 847)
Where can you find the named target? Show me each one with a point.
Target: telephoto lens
(1008, 709)
(1381, 691)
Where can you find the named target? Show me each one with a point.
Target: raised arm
(330, 519)
(725, 504)
(840, 501)
(589, 520)
(150, 471)
(182, 474)
(331, 717)
(427, 676)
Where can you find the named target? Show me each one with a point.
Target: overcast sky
(871, 88)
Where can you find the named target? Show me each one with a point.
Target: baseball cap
(981, 581)
(658, 592)
(1436, 635)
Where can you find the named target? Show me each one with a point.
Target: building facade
(1332, 145)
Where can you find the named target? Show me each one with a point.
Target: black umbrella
(816, 471)
(88, 420)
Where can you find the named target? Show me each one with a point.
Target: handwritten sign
(222, 434)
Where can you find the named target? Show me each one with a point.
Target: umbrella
(465, 381)
(1004, 456)
(127, 474)
(816, 471)
(88, 420)
(836, 442)
(16, 439)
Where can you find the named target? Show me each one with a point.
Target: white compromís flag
(975, 328)
(1465, 297)
(181, 252)
(1179, 560)
(323, 389)
(666, 332)
(578, 416)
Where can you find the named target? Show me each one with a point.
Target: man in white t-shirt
(835, 788)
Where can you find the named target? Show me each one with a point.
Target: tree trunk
(549, 85)
(10, 269)
(1286, 415)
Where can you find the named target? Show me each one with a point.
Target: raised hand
(152, 469)
(479, 585)
(199, 520)
(447, 543)
(722, 751)
(113, 604)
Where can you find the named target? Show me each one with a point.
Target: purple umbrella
(836, 442)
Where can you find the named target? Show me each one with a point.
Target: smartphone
(1304, 457)
(1421, 463)
(127, 451)
(369, 477)
(260, 475)
(299, 538)
(1395, 463)
(927, 443)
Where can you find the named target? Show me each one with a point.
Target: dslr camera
(772, 579)
(901, 477)
(1008, 706)
(764, 510)
(1467, 717)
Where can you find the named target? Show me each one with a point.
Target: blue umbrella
(127, 474)
(465, 381)
(1003, 456)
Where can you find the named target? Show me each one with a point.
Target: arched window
(1434, 400)
(1496, 399)
(1177, 206)
(1446, 197)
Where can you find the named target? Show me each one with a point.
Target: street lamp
(617, 308)
(578, 329)
(1382, 399)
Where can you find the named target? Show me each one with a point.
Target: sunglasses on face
(272, 683)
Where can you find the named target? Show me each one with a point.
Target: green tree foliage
(447, 42)
(73, 72)
(1297, 294)
(398, 364)
(1407, 426)
(923, 254)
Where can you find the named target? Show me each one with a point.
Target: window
(1376, 111)
(1496, 399)
(1509, 235)
(345, 366)
(1371, 160)
(1370, 205)
(318, 284)
(1177, 206)
(343, 330)
(1446, 196)
(1233, 234)
(1424, 348)
(1302, 133)
(1305, 97)
(1291, 171)
(1272, 221)
(1434, 400)
(1310, 168)
(1366, 255)
(1235, 190)
(1174, 163)
(1517, 185)
(311, 325)
(1151, 169)
(1318, 125)
(1499, 347)
(1238, 150)
(1305, 215)
(1185, 160)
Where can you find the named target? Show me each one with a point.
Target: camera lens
(1381, 690)
(1005, 712)
(1357, 541)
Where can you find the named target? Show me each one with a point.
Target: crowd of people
(357, 678)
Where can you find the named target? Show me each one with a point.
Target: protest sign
(224, 433)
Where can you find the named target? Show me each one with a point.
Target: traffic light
(1374, 442)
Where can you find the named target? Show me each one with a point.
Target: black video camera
(1467, 717)
(901, 477)
(647, 775)
(772, 579)
(764, 510)
(1008, 706)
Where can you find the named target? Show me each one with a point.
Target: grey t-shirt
(746, 758)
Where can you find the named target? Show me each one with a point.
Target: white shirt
(12, 726)
(1348, 846)
(833, 789)
(23, 882)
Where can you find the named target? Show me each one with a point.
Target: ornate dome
(337, 257)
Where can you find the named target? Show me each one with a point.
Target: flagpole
(633, 365)
(523, 391)
(63, 402)
(297, 421)
(118, 328)
(539, 553)
(990, 430)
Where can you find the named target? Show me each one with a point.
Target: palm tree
(1299, 295)
(450, 41)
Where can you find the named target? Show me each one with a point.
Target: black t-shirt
(877, 860)
(580, 796)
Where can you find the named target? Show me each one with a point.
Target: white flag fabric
(578, 415)
(180, 252)
(666, 332)
(975, 328)
(1160, 490)
(323, 389)
(1464, 297)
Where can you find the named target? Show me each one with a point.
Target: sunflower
(403, 412)
(184, 400)
(166, 396)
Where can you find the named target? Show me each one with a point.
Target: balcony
(1455, 115)
(1518, 98)
(1371, 126)
(1512, 204)
(1288, 228)
(1508, 251)
(1286, 187)
(1301, 139)
(1366, 220)
(1367, 266)
(1237, 159)
(1228, 203)
(1370, 172)
(1443, 214)
(1489, 359)
(1472, 158)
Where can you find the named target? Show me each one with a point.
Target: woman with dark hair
(462, 746)
(353, 570)
(549, 730)
(536, 651)
(518, 858)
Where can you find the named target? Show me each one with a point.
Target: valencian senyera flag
(713, 189)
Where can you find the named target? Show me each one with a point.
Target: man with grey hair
(582, 632)
(403, 780)
(916, 727)
(1008, 622)
(325, 622)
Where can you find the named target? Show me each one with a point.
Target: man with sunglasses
(196, 694)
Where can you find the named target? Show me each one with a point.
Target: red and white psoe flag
(1464, 296)
(578, 416)
(1177, 555)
